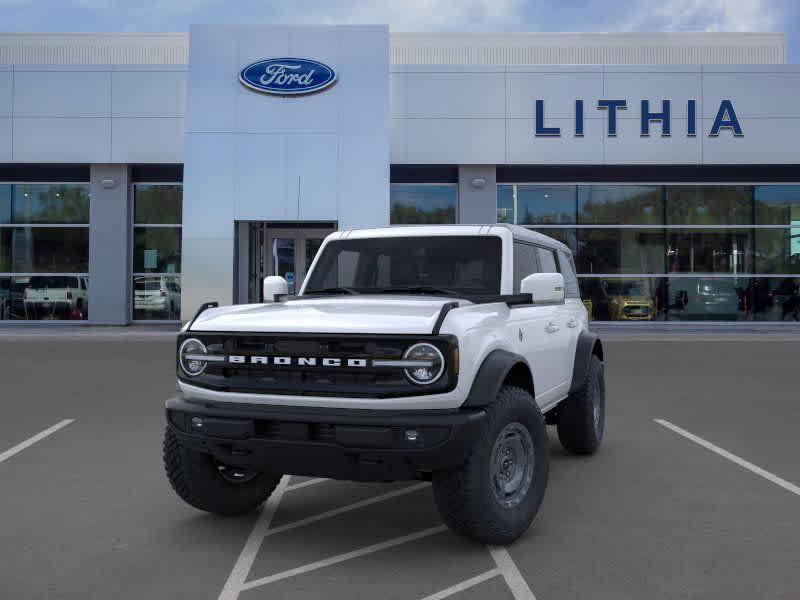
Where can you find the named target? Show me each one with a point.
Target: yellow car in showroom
(628, 299)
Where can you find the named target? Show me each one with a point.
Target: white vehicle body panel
(154, 294)
(57, 295)
(338, 314)
(544, 335)
(152, 301)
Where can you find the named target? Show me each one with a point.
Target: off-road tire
(196, 479)
(465, 497)
(575, 422)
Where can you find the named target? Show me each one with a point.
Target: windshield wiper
(331, 290)
(415, 289)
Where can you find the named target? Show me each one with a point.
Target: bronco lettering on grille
(300, 361)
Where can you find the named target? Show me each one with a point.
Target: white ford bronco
(424, 352)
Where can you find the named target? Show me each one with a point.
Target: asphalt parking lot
(693, 495)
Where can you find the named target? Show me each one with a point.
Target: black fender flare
(490, 377)
(589, 344)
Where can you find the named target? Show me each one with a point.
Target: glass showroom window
(778, 235)
(44, 251)
(709, 205)
(677, 252)
(614, 251)
(157, 251)
(616, 204)
(536, 204)
(423, 203)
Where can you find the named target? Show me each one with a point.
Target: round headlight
(190, 357)
(430, 363)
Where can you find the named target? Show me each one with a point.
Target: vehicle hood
(387, 314)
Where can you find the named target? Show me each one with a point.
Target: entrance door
(282, 249)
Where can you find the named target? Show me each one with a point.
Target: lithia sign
(726, 119)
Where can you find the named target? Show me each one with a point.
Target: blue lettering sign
(541, 130)
(612, 106)
(578, 118)
(691, 118)
(726, 119)
(648, 116)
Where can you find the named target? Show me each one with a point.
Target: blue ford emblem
(287, 76)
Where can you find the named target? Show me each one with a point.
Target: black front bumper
(357, 445)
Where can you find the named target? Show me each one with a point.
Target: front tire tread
(195, 478)
(464, 496)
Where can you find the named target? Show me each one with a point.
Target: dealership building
(144, 174)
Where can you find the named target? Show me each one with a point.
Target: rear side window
(568, 271)
(547, 260)
(53, 281)
(524, 263)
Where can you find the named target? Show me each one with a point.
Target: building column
(477, 194)
(109, 245)
(241, 268)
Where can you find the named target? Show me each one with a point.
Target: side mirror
(546, 288)
(274, 287)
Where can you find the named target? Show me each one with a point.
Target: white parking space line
(327, 562)
(464, 585)
(261, 530)
(241, 569)
(305, 483)
(788, 486)
(338, 511)
(508, 569)
(237, 580)
(36, 438)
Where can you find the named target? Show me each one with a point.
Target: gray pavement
(87, 513)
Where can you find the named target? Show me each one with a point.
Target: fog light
(411, 435)
(197, 423)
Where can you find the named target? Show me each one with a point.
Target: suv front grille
(298, 378)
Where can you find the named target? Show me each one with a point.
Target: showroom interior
(644, 251)
(116, 206)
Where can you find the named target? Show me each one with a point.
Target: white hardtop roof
(497, 229)
(534, 237)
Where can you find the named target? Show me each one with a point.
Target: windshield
(468, 265)
(40, 282)
(148, 284)
(625, 288)
(710, 287)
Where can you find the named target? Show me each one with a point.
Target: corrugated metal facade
(94, 48)
(652, 55)
(428, 48)
(587, 48)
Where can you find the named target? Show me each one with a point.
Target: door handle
(551, 327)
(573, 322)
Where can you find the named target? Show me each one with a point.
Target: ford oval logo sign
(287, 76)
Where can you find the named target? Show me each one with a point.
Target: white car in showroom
(56, 297)
(156, 296)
